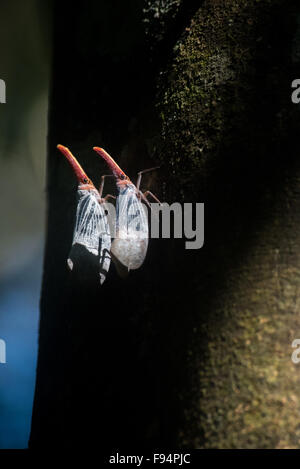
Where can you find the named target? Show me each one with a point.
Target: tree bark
(194, 349)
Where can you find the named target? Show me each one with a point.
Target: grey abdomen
(130, 251)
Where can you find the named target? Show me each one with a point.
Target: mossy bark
(195, 348)
(229, 130)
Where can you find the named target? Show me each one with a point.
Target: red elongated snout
(79, 172)
(115, 169)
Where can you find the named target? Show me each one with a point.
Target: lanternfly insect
(131, 242)
(91, 230)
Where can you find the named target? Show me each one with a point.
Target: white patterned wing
(92, 229)
(131, 242)
(132, 217)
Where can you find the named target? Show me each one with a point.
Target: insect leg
(109, 196)
(140, 173)
(140, 196)
(152, 195)
(102, 183)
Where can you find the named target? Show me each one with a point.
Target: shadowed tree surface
(194, 349)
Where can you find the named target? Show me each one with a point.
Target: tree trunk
(193, 349)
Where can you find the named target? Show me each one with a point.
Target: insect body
(91, 230)
(131, 241)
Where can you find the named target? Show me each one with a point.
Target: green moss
(206, 87)
(211, 98)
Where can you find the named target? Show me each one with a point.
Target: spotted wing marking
(131, 214)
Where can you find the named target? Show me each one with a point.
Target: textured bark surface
(230, 132)
(195, 348)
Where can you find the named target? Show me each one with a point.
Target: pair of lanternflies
(129, 246)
